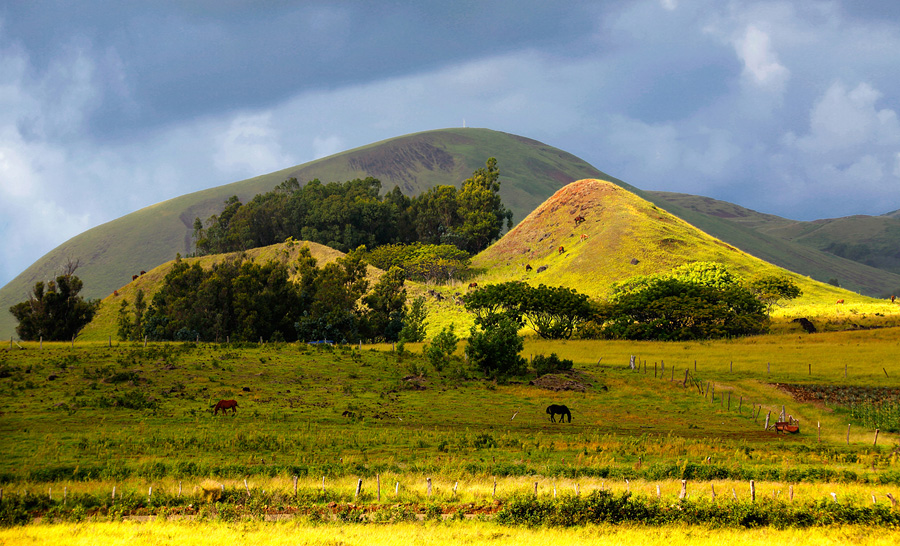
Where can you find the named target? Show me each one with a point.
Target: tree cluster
(553, 312)
(54, 311)
(701, 300)
(241, 300)
(347, 215)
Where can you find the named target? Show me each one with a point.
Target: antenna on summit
(464, 123)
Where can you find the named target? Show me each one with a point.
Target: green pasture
(132, 412)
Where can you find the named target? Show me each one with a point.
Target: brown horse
(226, 405)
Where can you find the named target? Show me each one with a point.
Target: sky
(108, 106)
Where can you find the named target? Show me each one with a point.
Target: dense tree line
(347, 215)
(241, 300)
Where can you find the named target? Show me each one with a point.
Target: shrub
(550, 364)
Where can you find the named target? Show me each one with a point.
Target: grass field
(81, 421)
(474, 533)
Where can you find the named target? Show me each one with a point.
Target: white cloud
(845, 120)
(249, 147)
(761, 65)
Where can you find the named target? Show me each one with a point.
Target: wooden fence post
(818, 431)
(295, 485)
(535, 489)
(752, 491)
(428, 481)
(358, 487)
(378, 485)
(767, 419)
(683, 493)
(247, 487)
(848, 435)
(494, 493)
(876, 438)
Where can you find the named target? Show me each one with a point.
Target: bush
(441, 348)
(550, 364)
(496, 351)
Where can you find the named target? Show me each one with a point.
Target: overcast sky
(788, 108)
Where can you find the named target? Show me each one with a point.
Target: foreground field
(320, 428)
(162, 533)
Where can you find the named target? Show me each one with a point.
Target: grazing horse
(562, 411)
(473, 285)
(561, 250)
(226, 405)
(528, 268)
(578, 220)
(583, 237)
(840, 301)
(134, 277)
(893, 298)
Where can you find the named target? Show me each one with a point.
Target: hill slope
(111, 253)
(870, 264)
(622, 235)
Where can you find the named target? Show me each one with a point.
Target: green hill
(530, 173)
(859, 251)
(622, 235)
(111, 253)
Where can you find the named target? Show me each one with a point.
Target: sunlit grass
(161, 533)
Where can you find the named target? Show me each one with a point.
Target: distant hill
(110, 254)
(861, 252)
(622, 235)
(530, 172)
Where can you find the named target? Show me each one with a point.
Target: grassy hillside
(859, 251)
(622, 236)
(111, 253)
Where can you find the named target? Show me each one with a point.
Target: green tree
(54, 311)
(773, 288)
(414, 324)
(552, 312)
(387, 306)
(669, 309)
(131, 319)
(495, 350)
(440, 351)
(481, 210)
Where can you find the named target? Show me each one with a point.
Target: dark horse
(226, 405)
(562, 411)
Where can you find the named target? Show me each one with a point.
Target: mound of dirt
(571, 380)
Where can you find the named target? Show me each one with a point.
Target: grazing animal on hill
(542, 269)
(583, 237)
(134, 277)
(806, 324)
(143, 272)
(562, 411)
(840, 301)
(892, 298)
(562, 249)
(527, 267)
(578, 220)
(226, 405)
(473, 285)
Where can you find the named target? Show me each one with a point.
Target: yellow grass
(161, 533)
